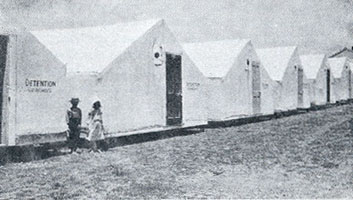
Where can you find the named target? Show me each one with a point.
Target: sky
(315, 26)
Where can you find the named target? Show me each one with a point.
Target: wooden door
(174, 89)
(256, 88)
(300, 87)
(349, 84)
(3, 56)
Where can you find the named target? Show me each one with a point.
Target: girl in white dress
(95, 126)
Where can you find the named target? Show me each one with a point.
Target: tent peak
(276, 60)
(337, 65)
(92, 49)
(312, 63)
(215, 58)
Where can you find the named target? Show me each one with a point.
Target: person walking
(73, 120)
(95, 126)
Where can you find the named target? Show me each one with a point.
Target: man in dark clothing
(73, 120)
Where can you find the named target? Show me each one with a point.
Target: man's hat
(75, 100)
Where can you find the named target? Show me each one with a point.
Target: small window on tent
(156, 55)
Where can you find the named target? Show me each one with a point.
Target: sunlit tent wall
(137, 70)
(31, 79)
(283, 65)
(342, 78)
(238, 85)
(320, 78)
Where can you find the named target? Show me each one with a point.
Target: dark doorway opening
(349, 84)
(328, 84)
(174, 89)
(256, 88)
(300, 87)
(3, 59)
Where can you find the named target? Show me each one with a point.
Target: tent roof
(215, 58)
(91, 49)
(337, 65)
(345, 49)
(275, 60)
(311, 64)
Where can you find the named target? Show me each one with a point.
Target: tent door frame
(174, 98)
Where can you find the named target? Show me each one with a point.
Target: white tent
(138, 70)
(342, 78)
(31, 80)
(238, 85)
(320, 78)
(284, 67)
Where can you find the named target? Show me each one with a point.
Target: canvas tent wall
(320, 78)
(31, 78)
(238, 86)
(283, 65)
(342, 77)
(138, 70)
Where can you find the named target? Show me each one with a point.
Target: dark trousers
(74, 137)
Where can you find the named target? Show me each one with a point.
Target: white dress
(95, 126)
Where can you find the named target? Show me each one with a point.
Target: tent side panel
(277, 94)
(345, 83)
(321, 86)
(195, 93)
(267, 93)
(311, 87)
(40, 107)
(133, 90)
(307, 92)
(217, 101)
(341, 85)
(237, 84)
(289, 91)
(337, 88)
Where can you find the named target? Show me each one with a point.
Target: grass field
(302, 156)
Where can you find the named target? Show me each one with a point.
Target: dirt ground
(302, 156)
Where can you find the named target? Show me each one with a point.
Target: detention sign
(40, 86)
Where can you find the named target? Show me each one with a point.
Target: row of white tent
(147, 81)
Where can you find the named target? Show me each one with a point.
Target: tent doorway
(300, 87)
(3, 55)
(256, 88)
(349, 84)
(174, 89)
(328, 88)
